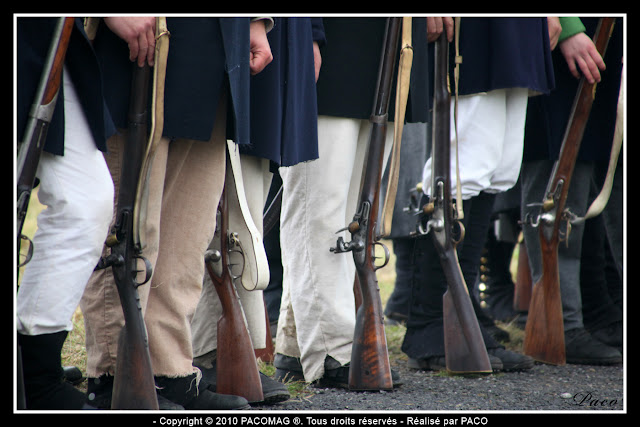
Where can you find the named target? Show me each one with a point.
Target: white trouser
(317, 314)
(490, 142)
(77, 191)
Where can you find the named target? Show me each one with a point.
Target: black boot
(494, 283)
(44, 384)
(289, 369)
(602, 317)
(477, 219)
(582, 349)
(272, 391)
(100, 394)
(424, 338)
(192, 393)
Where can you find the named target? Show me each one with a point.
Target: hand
(317, 59)
(436, 25)
(582, 56)
(554, 30)
(139, 33)
(260, 51)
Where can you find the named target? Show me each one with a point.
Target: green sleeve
(570, 26)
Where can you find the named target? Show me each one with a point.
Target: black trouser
(425, 335)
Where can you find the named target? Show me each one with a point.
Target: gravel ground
(543, 388)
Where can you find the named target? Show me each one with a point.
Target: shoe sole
(272, 398)
(518, 367)
(423, 365)
(285, 376)
(596, 362)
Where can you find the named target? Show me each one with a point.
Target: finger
(142, 52)
(434, 28)
(599, 62)
(449, 24)
(257, 62)
(573, 69)
(146, 43)
(585, 70)
(134, 48)
(594, 71)
(151, 37)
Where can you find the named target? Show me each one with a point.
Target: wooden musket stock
(134, 385)
(544, 331)
(369, 368)
(236, 367)
(465, 351)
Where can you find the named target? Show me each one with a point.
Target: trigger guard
(148, 271)
(233, 275)
(29, 253)
(460, 233)
(387, 255)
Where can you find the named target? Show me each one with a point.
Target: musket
(465, 351)
(134, 386)
(236, 367)
(30, 149)
(544, 331)
(369, 368)
(271, 215)
(40, 115)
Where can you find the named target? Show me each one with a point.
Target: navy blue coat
(284, 111)
(503, 52)
(206, 55)
(547, 116)
(350, 62)
(33, 39)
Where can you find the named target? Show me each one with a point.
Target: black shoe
(187, 392)
(583, 349)
(496, 332)
(100, 394)
(335, 376)
(43, 376)
(512, 361)
(339, 378)
(100, 391)
(438, 363)
(611, 335)
(272, 391)
(72, 375)
(394, 318)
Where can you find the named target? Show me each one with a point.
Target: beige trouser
(186, 182)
